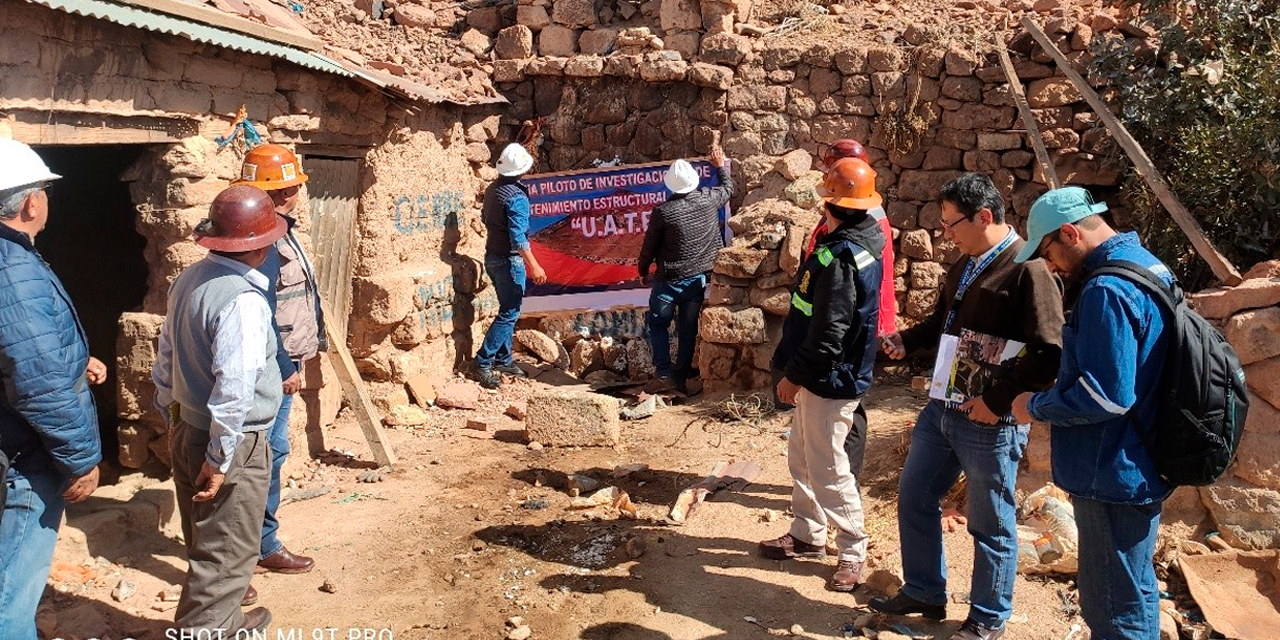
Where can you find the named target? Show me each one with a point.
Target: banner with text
(586, 229)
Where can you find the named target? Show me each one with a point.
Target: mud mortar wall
(417, 212)
(926, 114)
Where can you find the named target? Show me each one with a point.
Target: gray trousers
(825, 491)
(222, 535)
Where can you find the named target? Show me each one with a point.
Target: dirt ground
(468, 532)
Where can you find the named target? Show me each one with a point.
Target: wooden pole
(353, 390)
(1222, 268)
(1037, 141)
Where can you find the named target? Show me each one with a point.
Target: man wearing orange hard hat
(826, 354)
(295, 301)
(218, 385)
(849, 148)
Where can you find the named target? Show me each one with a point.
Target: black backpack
(1202, 398)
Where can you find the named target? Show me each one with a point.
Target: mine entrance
(93, 246)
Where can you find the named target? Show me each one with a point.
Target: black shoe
(512, 370)
(971, 630)
(488, 378)
(902, 604)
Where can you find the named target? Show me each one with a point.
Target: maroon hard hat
(241, 218)
(843, 148)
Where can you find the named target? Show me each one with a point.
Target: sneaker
(512, 370)
(488, 378)
(972, 630)
(787, 547)
(903, 604)
(847, 577)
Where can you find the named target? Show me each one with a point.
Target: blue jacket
(1104, 403)
(828, 343)
(47, 415)
(505, 214)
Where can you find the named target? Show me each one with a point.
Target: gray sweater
(195, 300)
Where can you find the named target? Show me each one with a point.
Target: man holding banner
(683, 238)
(509, 260)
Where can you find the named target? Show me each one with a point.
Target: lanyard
(971, 273)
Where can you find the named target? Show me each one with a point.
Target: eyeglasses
(1047, 242)
(949, 226)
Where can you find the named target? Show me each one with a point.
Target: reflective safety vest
(802, 296)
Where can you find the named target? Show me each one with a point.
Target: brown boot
(787, 547)
(250, 597)
(255, 620)
(284, 562)
(847, 577)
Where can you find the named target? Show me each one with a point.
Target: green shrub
(1206, 107)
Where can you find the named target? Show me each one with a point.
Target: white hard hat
(681, 177)
(514, 161)
(20, 166)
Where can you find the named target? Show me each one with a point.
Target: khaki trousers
(223, 535)
(825, 491)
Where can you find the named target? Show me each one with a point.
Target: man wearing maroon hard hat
(218, 384)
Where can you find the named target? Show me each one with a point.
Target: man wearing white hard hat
(682, 239)
(48, 422)
(508, 260)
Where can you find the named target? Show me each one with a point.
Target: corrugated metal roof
(131, 16)
(161, 23)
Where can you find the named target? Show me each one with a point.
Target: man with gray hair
(48, 422)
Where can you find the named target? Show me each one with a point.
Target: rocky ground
(475, 528)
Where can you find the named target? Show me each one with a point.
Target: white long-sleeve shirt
(246, 321)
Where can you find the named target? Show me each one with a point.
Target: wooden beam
(1222, 268)
(224, 20)
(63, 128)
(1037, 141)
(354, 391)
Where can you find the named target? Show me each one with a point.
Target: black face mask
(845, 214)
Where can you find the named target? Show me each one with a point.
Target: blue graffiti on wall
(426, 213)
(438, 299)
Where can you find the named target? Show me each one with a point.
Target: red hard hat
(843, 148)
(241, 218)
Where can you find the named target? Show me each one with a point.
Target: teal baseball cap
(1054, 209)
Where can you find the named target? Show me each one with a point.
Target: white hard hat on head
(681, 177)
(20, 166)
(514, 161)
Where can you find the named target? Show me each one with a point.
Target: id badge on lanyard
(971, 273)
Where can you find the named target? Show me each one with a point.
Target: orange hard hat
(843, 148)
(271, 167)
(241, 218)
(851, 183)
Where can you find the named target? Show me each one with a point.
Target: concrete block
(573, 418)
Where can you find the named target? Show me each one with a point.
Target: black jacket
(828, 341)
(684, 232)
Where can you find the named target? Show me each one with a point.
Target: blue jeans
(666, 299)
(944, 443)
(508, 276)
(278, 438)
(1119, 595)
(28, 533)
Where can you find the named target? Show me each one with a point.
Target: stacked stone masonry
(418, 300)
(926, 113)
(1245, 505)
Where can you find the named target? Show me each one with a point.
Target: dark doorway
(92, 244)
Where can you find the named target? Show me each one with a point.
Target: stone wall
(422, 171)
(926, 112)
(1245, 504)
